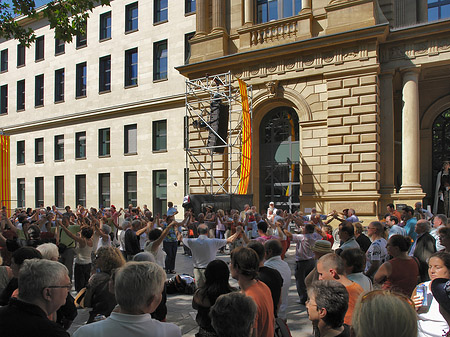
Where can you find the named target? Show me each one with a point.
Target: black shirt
(364, 242)
(272, 278)
(132, 246)
(22, 319)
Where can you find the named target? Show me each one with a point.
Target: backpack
(281, 328)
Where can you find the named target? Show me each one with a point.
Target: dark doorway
(279, 163)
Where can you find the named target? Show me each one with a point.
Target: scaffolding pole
(213, 169)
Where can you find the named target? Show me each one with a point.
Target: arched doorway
(279, 159)
(440, 143)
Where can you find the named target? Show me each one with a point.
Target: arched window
(269, 10)
(441, 142)
(279, 162)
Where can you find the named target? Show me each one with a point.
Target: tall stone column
(201, 17)
(387, 133)
(410, 133)
(218, 15)
(248, 13)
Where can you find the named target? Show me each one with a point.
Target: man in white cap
(271, 210)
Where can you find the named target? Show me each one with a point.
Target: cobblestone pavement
(180, 309)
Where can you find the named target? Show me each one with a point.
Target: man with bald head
(204, 250)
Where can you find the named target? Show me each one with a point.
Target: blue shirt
(410, 227)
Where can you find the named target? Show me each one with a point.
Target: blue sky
(38, 3)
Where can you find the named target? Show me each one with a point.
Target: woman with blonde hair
(384, 313)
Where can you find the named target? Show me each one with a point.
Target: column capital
(387, 73)
(413, 70)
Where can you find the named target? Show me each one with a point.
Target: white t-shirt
(431, 323)
(376, 252)
(159, 255)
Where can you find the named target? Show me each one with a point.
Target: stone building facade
(107, 130)
(364, 82)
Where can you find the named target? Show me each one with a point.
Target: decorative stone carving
(272, 67)
(350, 53)
(272, 88)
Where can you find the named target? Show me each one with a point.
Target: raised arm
(159, 240)
(68, 232)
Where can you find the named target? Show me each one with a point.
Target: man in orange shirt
(332, 267)
(244, 268)
(392, 211)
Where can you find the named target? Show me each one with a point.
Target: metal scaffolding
(210, 170)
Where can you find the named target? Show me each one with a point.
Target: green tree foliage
(67, 17)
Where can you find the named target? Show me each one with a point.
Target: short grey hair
(424, 224)
(229, 309)
(137, 283)
(37, 274)
(48, 251)
(443, 218)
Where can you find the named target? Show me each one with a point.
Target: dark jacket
(22, 319)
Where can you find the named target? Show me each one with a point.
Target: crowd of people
(389, 279)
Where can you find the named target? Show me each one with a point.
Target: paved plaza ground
(180, 309)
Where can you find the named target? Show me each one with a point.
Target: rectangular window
(104, 83)
(159, 191)
(103, 142)
(4, 99)
(81, 80)
(39, 192)
(131, 17)
(160, 135)
(59, 147)
(59, 191)
(20, 152)
(104, 190)
(161, 11)
(39, 48)
(39, 150)
(4, 60)
(39, 90)
(80, 189)
(20, 55)
(187, 47)
(269, 10)
(189, 6)
(59, 85)
(105, 26)
(131, 67)
(82, 38)
(21, 192)
(130, 188)
(130, 139)
(438, 9)
(80, 145)
(60, 46)
(21, 95)
(160, 60)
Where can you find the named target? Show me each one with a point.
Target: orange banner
(246, 144)
(5, 187)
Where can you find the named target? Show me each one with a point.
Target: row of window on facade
(160, 67)
(104, 143)
(130, 189)
(270, 10)
(105, 29)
